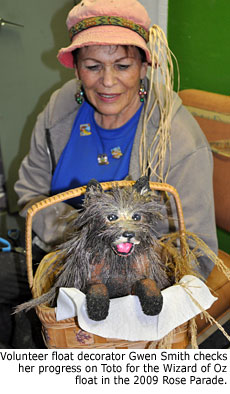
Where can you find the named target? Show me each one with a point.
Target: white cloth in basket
(126, 319)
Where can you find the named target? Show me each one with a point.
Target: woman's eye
(123, 66)
(93, 68)
(136, 217)
(112, 217)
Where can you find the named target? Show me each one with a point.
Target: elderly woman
(112, 122)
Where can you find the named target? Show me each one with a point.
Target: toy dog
(113, 251)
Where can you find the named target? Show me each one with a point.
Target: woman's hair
(126, 48)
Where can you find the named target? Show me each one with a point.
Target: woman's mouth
(108, 97)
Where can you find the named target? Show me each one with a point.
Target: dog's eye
(112, 217)
(136, 217)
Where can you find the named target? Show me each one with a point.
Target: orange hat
(110, 22)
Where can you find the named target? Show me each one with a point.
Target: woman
(112, 122)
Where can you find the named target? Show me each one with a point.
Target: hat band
(108, 21)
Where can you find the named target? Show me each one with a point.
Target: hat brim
(102, 35)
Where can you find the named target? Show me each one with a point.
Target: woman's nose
(109, 77)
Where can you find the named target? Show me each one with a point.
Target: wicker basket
(221, 148)
(67, 333)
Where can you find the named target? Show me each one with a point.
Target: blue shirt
(90, 144)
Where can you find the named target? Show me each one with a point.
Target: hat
(110, 22)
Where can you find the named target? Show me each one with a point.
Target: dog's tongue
(124, 247)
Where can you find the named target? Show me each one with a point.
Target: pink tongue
(124, 247)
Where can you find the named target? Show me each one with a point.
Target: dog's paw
(97, 301)
(149, 295)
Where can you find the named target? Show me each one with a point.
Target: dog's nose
(128, 234)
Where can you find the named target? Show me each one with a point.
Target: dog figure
(113, 251)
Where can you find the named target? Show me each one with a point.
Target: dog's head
(123, 219)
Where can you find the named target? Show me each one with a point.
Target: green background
(199, 36)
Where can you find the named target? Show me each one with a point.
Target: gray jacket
(190, 170)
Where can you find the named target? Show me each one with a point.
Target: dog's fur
(113, 251)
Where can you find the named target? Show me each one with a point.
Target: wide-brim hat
(111, 22)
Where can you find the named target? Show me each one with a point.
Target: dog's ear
(94, 185)
(142, 185)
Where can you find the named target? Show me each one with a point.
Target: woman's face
(110, 77)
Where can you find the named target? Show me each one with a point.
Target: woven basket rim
(221, 147)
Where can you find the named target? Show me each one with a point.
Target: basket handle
(81, 190)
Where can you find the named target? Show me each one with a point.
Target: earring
(142, 92)
(79, 96)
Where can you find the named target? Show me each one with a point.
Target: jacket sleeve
(191, 174)
(34, 181)
(193, 181)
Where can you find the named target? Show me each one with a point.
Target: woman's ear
(76, 72)
(144, 68)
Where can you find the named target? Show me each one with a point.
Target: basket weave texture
(221, 148)
(67, 333)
